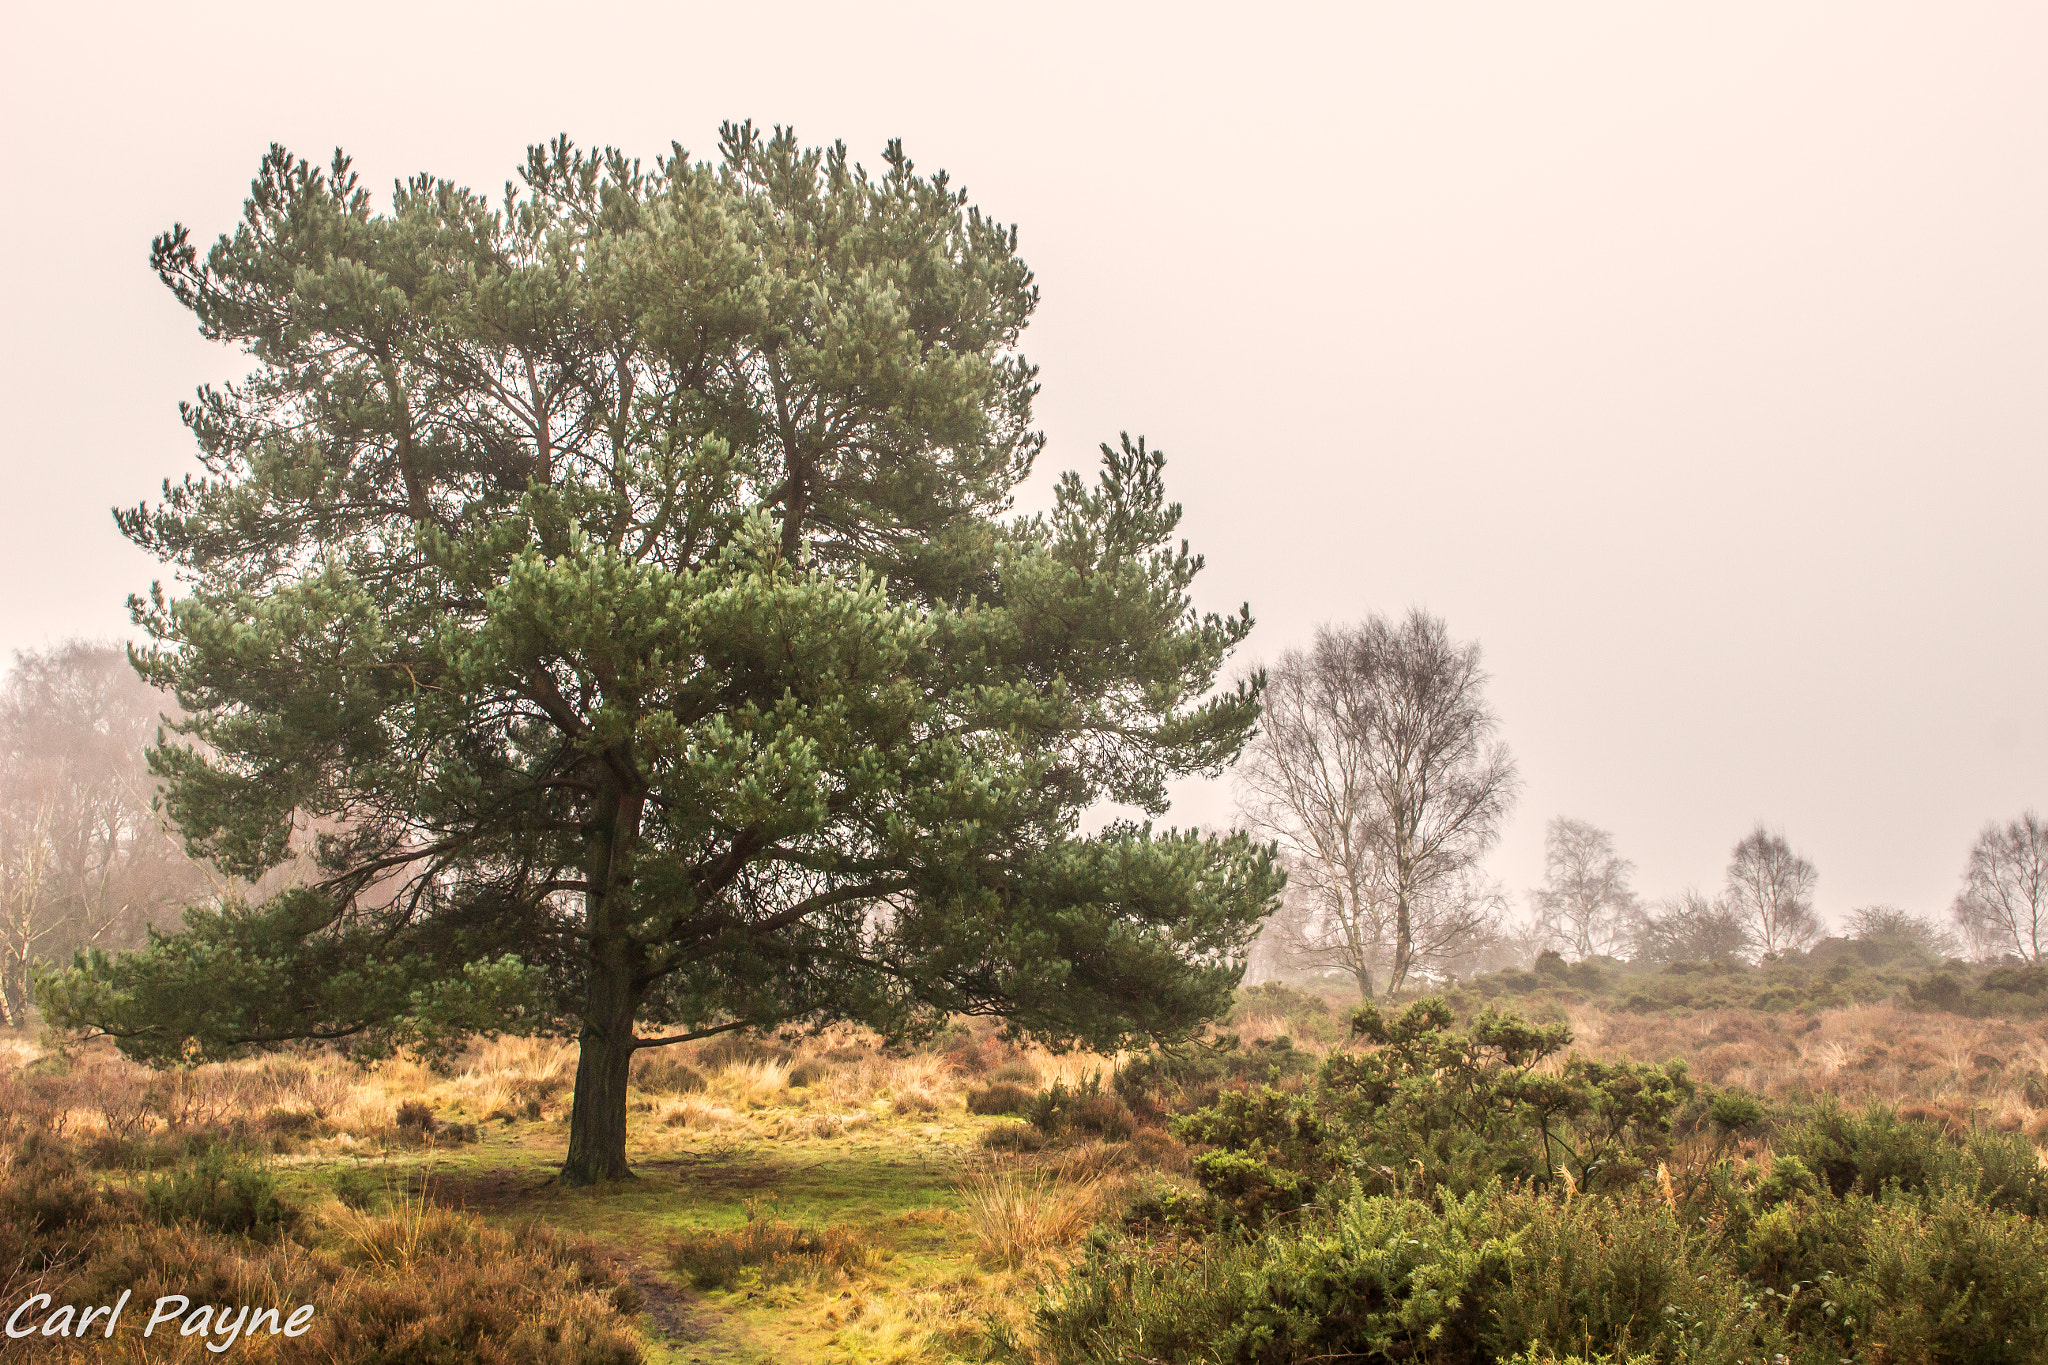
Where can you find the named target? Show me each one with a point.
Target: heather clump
(416, 1283)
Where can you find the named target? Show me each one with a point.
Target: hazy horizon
(1692, 363)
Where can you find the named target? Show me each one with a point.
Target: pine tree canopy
(618, 587)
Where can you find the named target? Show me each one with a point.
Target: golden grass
(1977, 1072)
(1022, 1217)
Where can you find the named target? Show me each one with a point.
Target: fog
(1693, 363)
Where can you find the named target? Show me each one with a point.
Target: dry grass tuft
(701, 1114)
(1024, 1217)
(755, 1084)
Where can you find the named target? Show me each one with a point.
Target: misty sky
(1692, 359)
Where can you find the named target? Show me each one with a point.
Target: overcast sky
(1692, 359)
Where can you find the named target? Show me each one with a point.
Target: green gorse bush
(1474, 1194)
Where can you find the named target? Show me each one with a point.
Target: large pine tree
(618, 582)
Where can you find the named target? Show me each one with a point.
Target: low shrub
(1306, 1015)
(357, 1188)
(1061, 1111)
(1103, 1116)
(1500, 1274)
(222, 1194)
(1440, 1197)
(291, 1123)
(1014, 1137)
(415, 1114)
(1156, 1148)
(966, 1058)
(999, 1097)
(1863, 1153)
(1167, 1081)
(47, 1202)
(915, 1101)
(1833, 974)
(777, 1250)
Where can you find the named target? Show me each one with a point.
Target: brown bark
(597, 1117)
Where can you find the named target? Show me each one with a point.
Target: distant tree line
(1378, 773)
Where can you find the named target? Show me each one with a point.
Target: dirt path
(665, 1306)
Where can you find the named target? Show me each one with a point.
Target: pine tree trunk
(597, 1117)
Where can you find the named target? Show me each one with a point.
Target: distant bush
(916, 1101)
(1103, 1116)
(1158, 1149)
(966, 1057)
(1306, 1015)
(1834, 974)
(417, 1114)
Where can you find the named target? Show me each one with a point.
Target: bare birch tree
(1305, 786)
(24, 875)
(1690, 927)
(1586, 902)
(1771, 887)
(2003, 907)
(1377, 773)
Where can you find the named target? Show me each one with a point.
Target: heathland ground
(821, 1198)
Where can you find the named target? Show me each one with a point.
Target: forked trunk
(1404, 947)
